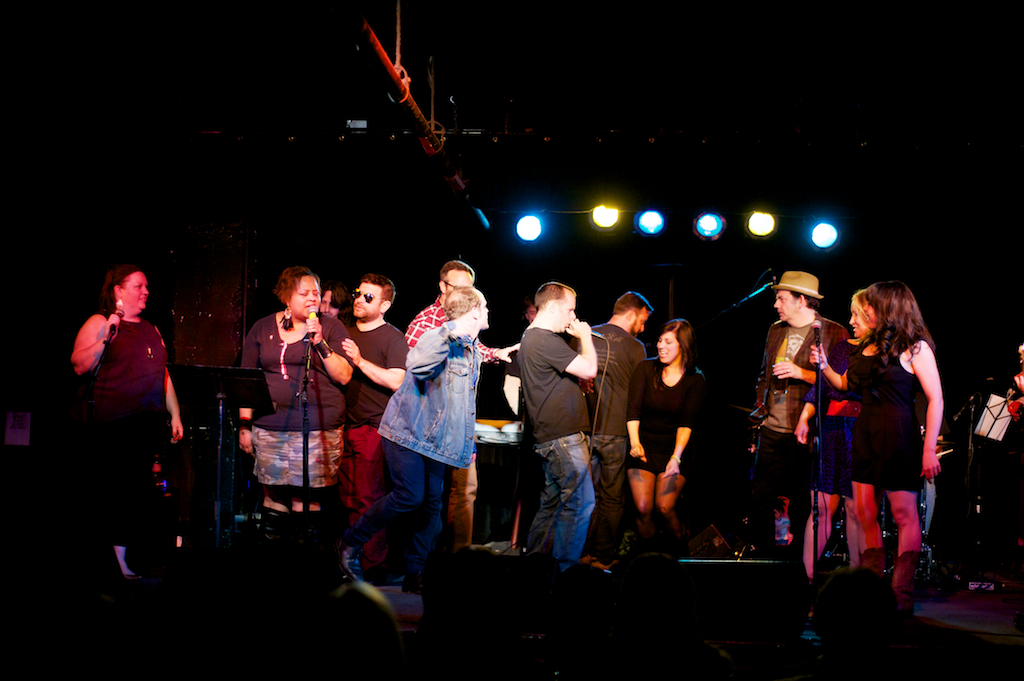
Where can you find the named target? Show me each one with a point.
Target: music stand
(243, 387)
(995, 418)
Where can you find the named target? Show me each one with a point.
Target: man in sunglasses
(464, 481)
(377, 350)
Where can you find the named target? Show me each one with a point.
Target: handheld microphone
(312, 316)
(817, 332)
(119, 311)
(597, 334)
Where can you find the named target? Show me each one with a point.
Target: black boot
(274, 524)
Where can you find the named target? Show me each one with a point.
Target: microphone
(119, 311)
(312, 316)
(597, 334)
(817, 332)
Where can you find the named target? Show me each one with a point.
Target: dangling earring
(286, 323)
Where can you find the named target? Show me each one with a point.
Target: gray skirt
(279, 456)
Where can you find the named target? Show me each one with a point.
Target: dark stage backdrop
(214, 220)
(915, 162)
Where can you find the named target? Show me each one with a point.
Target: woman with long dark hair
(896, 356)
(666, 394)
(124, 404)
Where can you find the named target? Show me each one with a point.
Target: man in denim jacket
(428, 425)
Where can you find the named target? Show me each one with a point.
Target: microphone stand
(816, 481)
(750, 296)
(304, 401)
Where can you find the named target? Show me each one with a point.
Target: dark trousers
(782, 469)
(419, 485)
(361, 484)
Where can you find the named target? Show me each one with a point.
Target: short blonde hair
(461, 300)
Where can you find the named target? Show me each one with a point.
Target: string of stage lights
(706, 226)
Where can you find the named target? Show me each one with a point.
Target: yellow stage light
(605, 217)
(761, 224)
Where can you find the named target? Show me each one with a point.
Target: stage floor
(216, 597)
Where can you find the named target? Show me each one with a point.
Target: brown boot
(903, 582)
(874, 560)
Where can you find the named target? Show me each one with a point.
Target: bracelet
(245, 424)
(323, 349)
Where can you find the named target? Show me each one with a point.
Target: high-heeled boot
(903, 582)
(274, 524)
(874, 560)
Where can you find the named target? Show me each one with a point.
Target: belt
(844, 408)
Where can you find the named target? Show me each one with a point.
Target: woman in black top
(279, 344)
(125, 404)
(896, 357)
(665, 397)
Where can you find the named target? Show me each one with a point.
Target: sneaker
(413, 583)
(377, 575)
(346, 559)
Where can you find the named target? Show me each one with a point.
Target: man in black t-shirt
(558, 414)
(618, 353)
(377, 350)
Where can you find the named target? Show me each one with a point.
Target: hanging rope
(435, 127)
(402, 73)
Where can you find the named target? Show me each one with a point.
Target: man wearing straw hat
(782, 466)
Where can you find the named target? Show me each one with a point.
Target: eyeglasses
(368, 297)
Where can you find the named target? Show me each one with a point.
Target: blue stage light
(709, 226)
(528, 228)
(649, 223)
(824, 235)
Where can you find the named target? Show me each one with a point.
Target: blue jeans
(418, 488)
(608, 469)
(566, 501)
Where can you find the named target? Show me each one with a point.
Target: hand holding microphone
(315, 335)
(114, 320)
(315, 331)
(579, 328)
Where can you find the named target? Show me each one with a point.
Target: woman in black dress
(665, 397)
(896, 356)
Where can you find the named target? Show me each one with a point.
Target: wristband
(323, 349)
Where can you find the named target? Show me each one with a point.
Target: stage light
(761, 224)
(709, 226)
(604, 217)
(824, 235)
(649, 223)
(528, 228)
